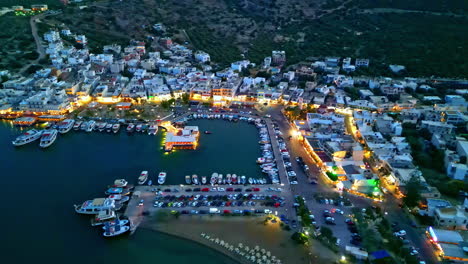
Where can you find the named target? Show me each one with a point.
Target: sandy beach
(250, 231)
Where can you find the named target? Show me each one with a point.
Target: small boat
(109, 127)
(138, 127)
(91, 126)
(28, 137)
(103, 217)
(84, 126)
(150, 182)
(115, 128)
(115, 223)
(220, 178)
(120, 183)
(207, 132)
(144, 128)
(100, 126)
(143, 177)
(115, 230)
(214, 178)
(203, 179)
(130, 128)
(119, 198)
(114, 190)
(161, 177)
(66, 125)
(234, 178)
(228, 178)
(48, 138)
(243, 179)
(95, 206)
(188, 180)
(153, 129)
(77, 125)
(251, 180)
(195, 179)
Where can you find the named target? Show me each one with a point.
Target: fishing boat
(138, 127)
(109, 127)
(115, 128)
(195, 179)
(203, 179)
(234, 179)
(95, 206)
(161, 177)
(119, 198)
(207, 132)
(243, 180)
(77, 125)
(48, 138)
(84, 126)
(228, 178)
(102, 127)
(143, 177)
(115, 230)
(66, 125)
(153, 129)
(91, 126)
(28, 137)
(116, 222)
(130, 128)
(120, 183)
(214, 178)
(188, 180)
(103, 216)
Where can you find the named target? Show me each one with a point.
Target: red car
(256, 189)
(226, 212)
(205, 189)
(229, 189)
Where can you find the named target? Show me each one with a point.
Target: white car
(291, 173)
(339, 211)
(293, 182)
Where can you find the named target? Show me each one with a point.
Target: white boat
(153, 129)
(109, 127)
(84, 126)
(102, 217)
(228, 178)
(115, 230)
(188, 180)
(66, 125)
(95, 206)
(203, 179)
(161, 177)
(195, 179)
(243, 180)
(234, 178)
(28, 137)
(220, 178)
(119, 198)
(138, 127)
(251, 180)
(214, 178)
(150, 182)
(120, 183)
(102, 126)
(77, 125)
(143, 177)
(48, 138)
(115, 223)
(91, 125)
(130, 128)
(115, 128)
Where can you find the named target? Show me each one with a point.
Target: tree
(300, 238)
(413, 195)
(186, 98)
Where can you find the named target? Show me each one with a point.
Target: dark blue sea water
(40, 187)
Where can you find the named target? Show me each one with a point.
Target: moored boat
(77, 125)
(203, 179)
(95, 206)
(116, 222)
(188, 180)
(243, 180)
(162, 177)
(65, 126)
(109, 127)
(195, 179)
(48, 138)
(220, 178)
(214, 178)
(228, 178)
(120, 183)
(84, 126)
(139, 127)
(28, 137)
(121, 191)
(91, 126)
(103, 217)
(130, 128)
(119, 198)
(143, 177)
(234, 178)
(115, 230)
(153, 129)
(251, 180)
(115, 128)
(102, 126)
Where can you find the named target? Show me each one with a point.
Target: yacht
(102, 126)
(84, 126)
(161, 177)
(138, 127)
(143, 177)
(130, 128)
(214, 178)
(188, 180)
(115, 128)
(91, 126)
(153, 129)
(203, 179)
(109, 127)
(195, 179)
(103, 217)
(120, 183)
(29, 136)
(115, 230)
(77, 125)
(95, 206)
(66, 125)
(48, 138)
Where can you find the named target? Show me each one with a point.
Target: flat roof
(454, 251)
(445, 236)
